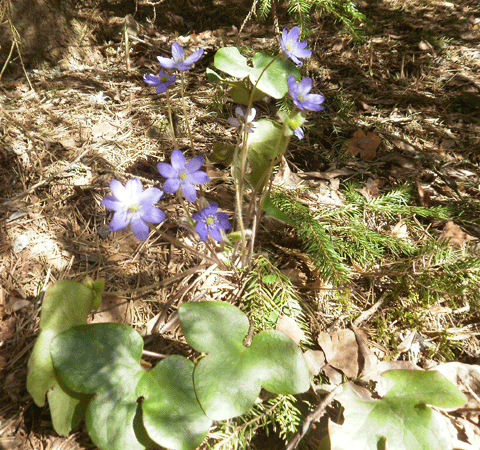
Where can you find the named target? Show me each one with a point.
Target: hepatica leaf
(171, 412)
(274, 79)
(66, 304)
(402, 419)
(228, 380)
(104, 360)
(231, 61)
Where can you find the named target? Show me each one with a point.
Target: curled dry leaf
(454, 235)
(364, 145)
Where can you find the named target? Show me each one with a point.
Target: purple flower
(210, 222)
(239, 121)
(293, 48)
(134, 206)
(301, 97)
(179, 61)
(162, 81)
(183, 175)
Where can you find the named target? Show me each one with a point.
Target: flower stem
(171, 121)
(185, 112)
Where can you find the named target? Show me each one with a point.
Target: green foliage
(402, 419)
(270, 294)
(270, 72)
(335, 235)
(343, 11)
(66, 304)
(228, 380)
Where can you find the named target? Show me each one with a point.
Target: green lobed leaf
(104, 359)
(231, 61)
(171, 413)
(263, 146)
(66, 304)
(241, 94)
(228, 380)
(402, 419)
(274, 80)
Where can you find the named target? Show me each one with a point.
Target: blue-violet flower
(210, 222)
(293, 48)
(239, 121)
(301, 97)
(161, 82)
(179, 61)
(134, 206)
(182, 174)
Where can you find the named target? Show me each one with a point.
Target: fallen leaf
(285, 177)
(454, 235)
(370, 190)
(104, 129)
(400, 230)
(364, 145)
(290, 327)
(425, 195)
(315, 361)
(341, 351)
(466, 377)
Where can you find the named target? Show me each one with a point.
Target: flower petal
(171, 185)
(299, 133)
(112, 203)
(189, 192)
(150, 78)
(167, 63)
(166, 170)
(198, 177)
(150, 196)
(234, 122)
(153, 215)
(178, 160)
(216, 234)
(194, 164)
(294, 34)
(140, 229)
(118, 190)
(178, 51)
(133, 190)
(119, 221)
(305, 86)
(194, 57)
(201, 229)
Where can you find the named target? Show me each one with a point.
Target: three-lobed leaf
(66, 304)
(402, 419)
(228, 380)
(104, 360)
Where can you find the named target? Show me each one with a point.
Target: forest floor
(412, 86)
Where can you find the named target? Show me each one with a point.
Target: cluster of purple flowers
(179, 61)
(135, 207)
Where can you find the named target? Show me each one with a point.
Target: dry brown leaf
(425, 195)
(333, 374)
(400, 230)
(341, 351)
(454, 235)
(105, 129)
(466, 377)
(364, 145)
(285, 177)
(370, 190)
(290, 327)
(367, 360)
(315, 361)
(406, 344)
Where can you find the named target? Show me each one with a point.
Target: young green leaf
(274, 80)
(171, 412)
(104, 360)
(229, 379)
(66, 304)
(263, 146)
(231, 61)
(402, 419)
